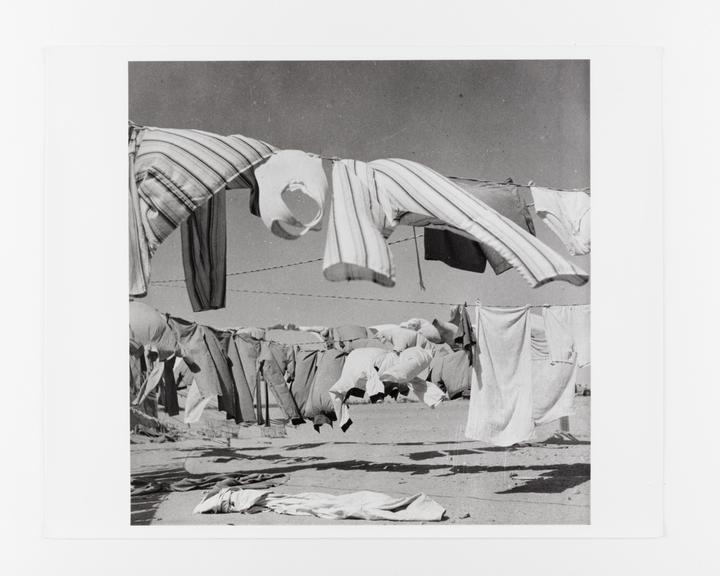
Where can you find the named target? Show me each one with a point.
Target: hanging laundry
(501, 410)
(452, 372)
(319, 407)
(345, 335)
(375, 342)
(568, 331)
(306, 365)
(363, 505)
(194, 404)
(464, 337)
(567, 214)
(204, 254)
(553, 383)
(139, 250)
(255, 333)
(273, 364)
(424, 327)
(426, 392)
(359, 376)
(149, 330)
(169, 397)
(460, 250)
(401, 338)
(290, 171)
(369, 200)
(176, 171)
(243, 392)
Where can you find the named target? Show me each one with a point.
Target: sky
(527, 120)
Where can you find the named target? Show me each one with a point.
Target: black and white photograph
(359, 292)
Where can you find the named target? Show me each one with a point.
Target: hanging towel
(568, 330)
(204, 254)
(370, 200)
(553, 382)
(500, 411)
(567, 214)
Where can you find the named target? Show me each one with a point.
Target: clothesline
(279, 266)
(371, 299)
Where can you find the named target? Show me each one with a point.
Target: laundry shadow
(430, 454)
(318, 444)
(559, 479)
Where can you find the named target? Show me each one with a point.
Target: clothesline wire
(372, 299)
(279, 266)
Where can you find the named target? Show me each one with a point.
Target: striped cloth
(369, 200)
(176, 171)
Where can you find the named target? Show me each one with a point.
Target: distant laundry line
(371, 299)
(280, 266)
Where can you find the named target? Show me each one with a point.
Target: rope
(281, 266)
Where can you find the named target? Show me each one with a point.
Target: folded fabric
(500, 410)
(364, 505)
(567, 214)
(203, 240)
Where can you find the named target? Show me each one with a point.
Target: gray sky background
(528, 120)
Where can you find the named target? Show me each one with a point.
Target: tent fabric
(364, 505)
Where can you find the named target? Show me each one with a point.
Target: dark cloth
(329, 370)
(458, 251)
(306, 364)
(243, 394)
(214, 481)
(274, 362)
(206, 359)
(169, 388)
(465, 337)
(204, 254)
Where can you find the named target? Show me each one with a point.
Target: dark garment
(306, 364)
(459, 251)
(204, 254)
(274, 362)
(329, 370)
(245, 408)
(169, 388)
(252, 183)
(465, 337)
(208, 362)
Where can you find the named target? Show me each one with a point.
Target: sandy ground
(396, 448)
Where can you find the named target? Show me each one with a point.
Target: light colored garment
(553, 382)
(370, 200)
(178, 170)
(424, 327)
(194, 404)
(150, 383)
(426, 392)
(290, 171)
(567, 214)
(568, 331)
(139, 250)
(411, 363)
(500, 410)
(364, 505)
(150, 332)
(401, 338)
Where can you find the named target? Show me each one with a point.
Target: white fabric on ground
(364, 505)
(500, 410)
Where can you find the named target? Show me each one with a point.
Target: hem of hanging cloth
(344, 271)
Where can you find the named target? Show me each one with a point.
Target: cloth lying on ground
(370, 200)
(568, 331)
(149, 331)
(364, 505)
(214, 481)
(567, 214)
(500, 410)
(291, 171)
(204, 254)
